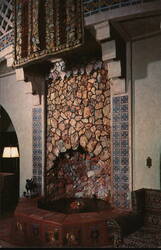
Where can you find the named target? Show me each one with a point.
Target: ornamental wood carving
(46, 28)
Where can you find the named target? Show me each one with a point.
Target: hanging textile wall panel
(46, 27)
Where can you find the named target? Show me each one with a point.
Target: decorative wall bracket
(34, 83)
(102, 35)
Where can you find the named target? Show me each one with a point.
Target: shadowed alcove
(9, 163)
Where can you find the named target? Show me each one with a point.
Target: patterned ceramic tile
(37, 146)
(120, 141)
(92, 7)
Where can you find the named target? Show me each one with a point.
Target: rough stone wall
(78, 114)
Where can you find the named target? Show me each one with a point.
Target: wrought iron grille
(94, 6)
(6, 23)
(6, 16)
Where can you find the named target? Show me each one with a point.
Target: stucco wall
(146, 82)
(18, 105)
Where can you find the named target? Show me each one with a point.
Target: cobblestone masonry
(78, 114)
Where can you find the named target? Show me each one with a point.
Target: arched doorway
(9, 163)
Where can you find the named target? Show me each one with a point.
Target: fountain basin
(44, 228)
(74, 205)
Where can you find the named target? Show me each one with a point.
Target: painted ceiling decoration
(46, 28)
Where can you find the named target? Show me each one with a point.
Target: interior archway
(8, 138)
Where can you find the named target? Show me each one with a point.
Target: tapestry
(46, 28)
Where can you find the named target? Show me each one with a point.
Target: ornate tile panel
(120, 141)
(37, 146)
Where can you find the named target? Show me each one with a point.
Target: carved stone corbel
(108, 46)
(34, 83)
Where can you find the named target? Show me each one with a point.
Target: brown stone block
(99, 105)
(106, 110)
(98, 149)
(87, 112)
(54, 123)
(79, 126)
(91, 145)
(83, 141)
(98, 114)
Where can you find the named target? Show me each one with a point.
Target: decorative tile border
(37, 146)
(120, 141)
(92, 7)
